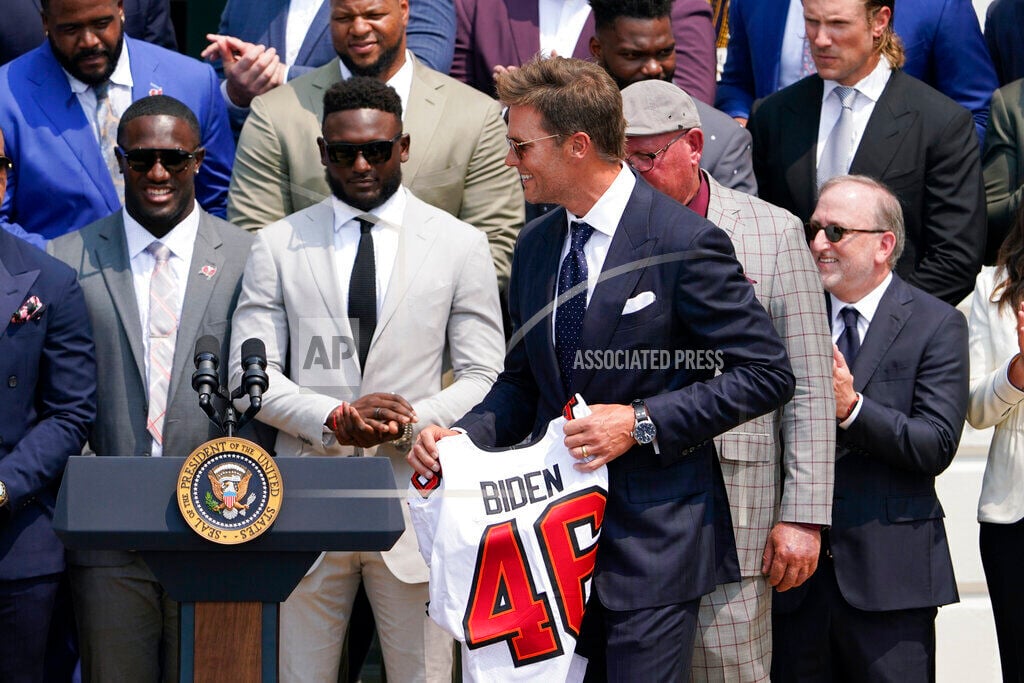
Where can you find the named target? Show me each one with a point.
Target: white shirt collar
(122, 74)
(605, 214)
(871, 86)
(866, 307)
(401, 81)
(180, 240)
(390, 213)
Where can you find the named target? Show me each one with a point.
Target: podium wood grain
(228, 642)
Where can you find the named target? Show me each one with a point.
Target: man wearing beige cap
(778, 545)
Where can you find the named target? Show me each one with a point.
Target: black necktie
(362, 291)
(849, 340)
(569, 315)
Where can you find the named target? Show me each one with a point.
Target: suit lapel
(321, 22)
(524, 25)
(198, 292)
(277, 29)
(14, 286)
(800, 136)
(316, 232)
(319, 81)
(889, 121)
(726, 218)
(415, 239)
(426, 102)
(889, 319)
(111, 253)
(632, 243)
(60, 105)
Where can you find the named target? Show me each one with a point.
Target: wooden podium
(229, 595)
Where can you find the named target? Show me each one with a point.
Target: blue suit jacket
(22, 30)
(1004, 35)
(667, 536)
(60, 181)
(943, 42)
(49, 400)
(887, 536)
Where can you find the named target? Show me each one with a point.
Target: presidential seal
(229, 490)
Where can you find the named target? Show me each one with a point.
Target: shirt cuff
(845, 424)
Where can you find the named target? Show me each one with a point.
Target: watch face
(644, 432)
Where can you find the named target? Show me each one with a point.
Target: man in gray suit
(359, 298)
(633, 43)
(457, 153)
(157, 275)
(777, 545)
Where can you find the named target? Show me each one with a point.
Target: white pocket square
(638, 302)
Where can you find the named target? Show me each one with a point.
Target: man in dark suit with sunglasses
(900, 377)
(157, 275)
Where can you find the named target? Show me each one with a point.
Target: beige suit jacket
(771, 246)
(456, 156)
(441, 298)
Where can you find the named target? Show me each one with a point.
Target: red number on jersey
(504, 603)
(570, 559)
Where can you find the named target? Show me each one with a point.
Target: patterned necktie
(163, 331)
(838, 153)
(807, 66)
(569, 316)
(849, 339)
(106, 127)
(362, 291)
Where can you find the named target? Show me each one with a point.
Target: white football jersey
(511, 536)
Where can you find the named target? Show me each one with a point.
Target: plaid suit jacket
(800, 436)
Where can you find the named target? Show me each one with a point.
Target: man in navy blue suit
(900, 376)
(48, 360)
(635, 276)
(59, 107)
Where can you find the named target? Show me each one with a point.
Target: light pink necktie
(163, 331)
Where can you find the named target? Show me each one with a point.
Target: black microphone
(205, 379)
(254, 375)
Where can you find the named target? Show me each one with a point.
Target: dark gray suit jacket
(98, 252)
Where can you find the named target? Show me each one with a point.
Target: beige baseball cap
(656, 107)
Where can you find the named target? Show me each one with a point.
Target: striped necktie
(163, 332)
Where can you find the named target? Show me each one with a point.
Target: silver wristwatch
(644, 430)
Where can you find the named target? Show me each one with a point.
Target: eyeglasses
(6, 163)
(375, 152)
(518, 147)
(142, 159)
(833, 233)
(642, 162)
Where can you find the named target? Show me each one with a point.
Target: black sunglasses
(142, 159)
(6, 163)
(375, 152)
(833, 233)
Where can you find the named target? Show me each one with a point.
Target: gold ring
(583, 449)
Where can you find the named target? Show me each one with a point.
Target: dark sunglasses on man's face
(375, 152)
(833, 233)
(142, 159)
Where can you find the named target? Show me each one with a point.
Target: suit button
(12, 381)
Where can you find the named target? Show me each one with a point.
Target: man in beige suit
(357, 298)
(777, 545)
(457, 151)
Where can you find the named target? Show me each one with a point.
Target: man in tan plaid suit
(777, 512)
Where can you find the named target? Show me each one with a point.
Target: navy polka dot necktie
(569, 314)
(849, 339)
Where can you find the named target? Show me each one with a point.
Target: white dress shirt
(603, 217)
(869, 89)
(119, 92)
(866, 309)
(401, 81)
(791, 61)
(181, 241)
(560, 23)
(387, 219)
(300, 17)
